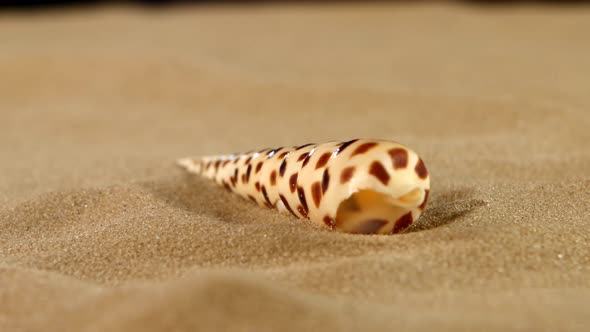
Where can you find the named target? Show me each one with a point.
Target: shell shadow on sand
(201, 196)
(446, 207)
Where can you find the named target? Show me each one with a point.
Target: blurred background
(115, 85)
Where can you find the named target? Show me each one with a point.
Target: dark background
(48, 4)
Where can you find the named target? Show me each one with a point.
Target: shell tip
(189, 165)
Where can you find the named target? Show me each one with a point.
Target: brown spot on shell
(233, 181)
(328, 221)
(226, 186)
(421, 169)
(293, 182)
(306, 160)
(247, 162)
(399, 157)
(363, 148)
(286, 203)
(225, 162)
(283, 167)
(258, 167)
(323, 160)
(252, 198)
(265, 195)
(423, 205)
(316, 193)
(248, 171)
(325, 181)
(303, 201)
(257, 185)
(370, 226)
(273, 178)
(378, 171)
(303, 156)
(283, 155)
(302, 211)
(402, 223)
(346, 174)
(344, 146)
(302, 146)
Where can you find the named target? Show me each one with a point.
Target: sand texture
(100, 232)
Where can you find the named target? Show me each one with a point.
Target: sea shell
(359, 186)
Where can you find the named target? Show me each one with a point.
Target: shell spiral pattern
(359, 186)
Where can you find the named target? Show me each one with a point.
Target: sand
(100, 232)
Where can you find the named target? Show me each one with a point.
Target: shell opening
(372, 212)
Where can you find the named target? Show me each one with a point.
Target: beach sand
(99, 231)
